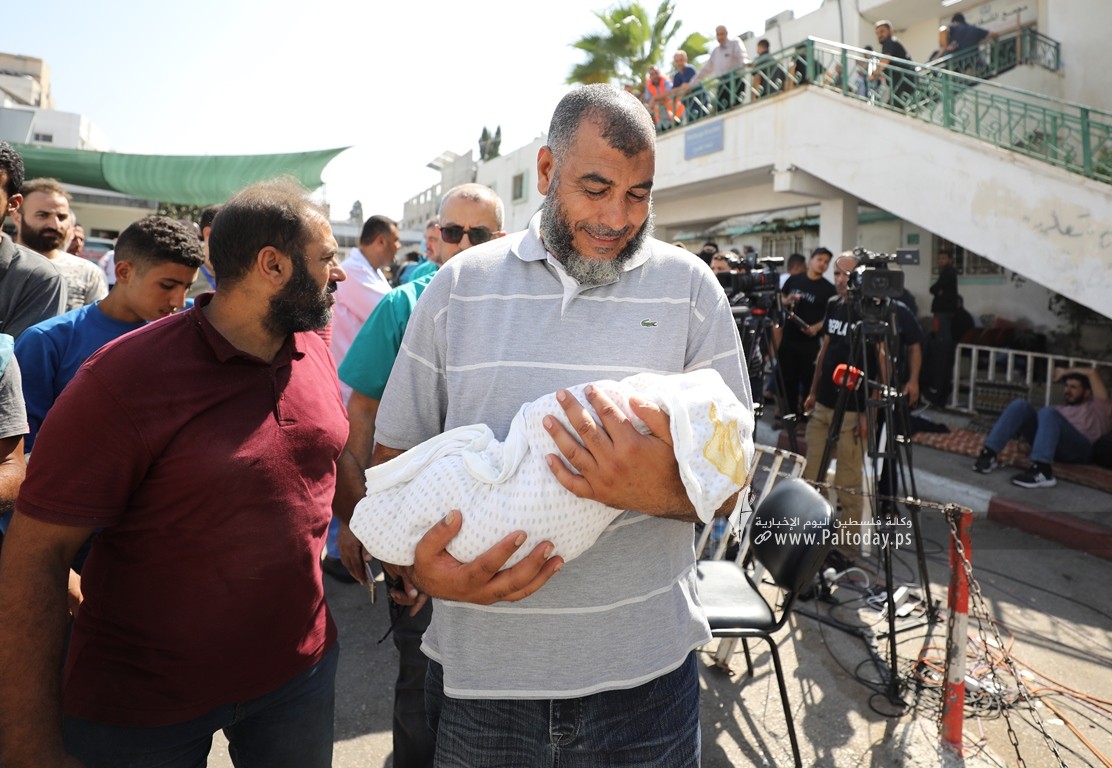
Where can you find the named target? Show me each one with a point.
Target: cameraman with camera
(852, 317)
(835, 349)
(805, 296)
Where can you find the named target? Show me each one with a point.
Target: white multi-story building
(28, 116)
(1013, 172)
(27, 113)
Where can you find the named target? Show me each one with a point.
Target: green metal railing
(1067, 135)
(1006, 51)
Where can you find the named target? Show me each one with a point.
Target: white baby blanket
(502, 487)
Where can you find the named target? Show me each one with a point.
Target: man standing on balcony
(729, 56)
(899, 79)
(684, 74)
(964, 36)
(657, 98)
(1063, 432)
(768, 75)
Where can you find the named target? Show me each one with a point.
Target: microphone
(847, 377)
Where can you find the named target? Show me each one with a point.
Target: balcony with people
(951, 91)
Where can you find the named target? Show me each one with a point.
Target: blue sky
(399, 84)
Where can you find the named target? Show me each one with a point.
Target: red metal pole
(953, 702)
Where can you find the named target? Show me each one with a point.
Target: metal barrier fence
(973, 363)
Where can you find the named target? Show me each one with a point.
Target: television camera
(756, 289)
(754, 298)
(872, 285)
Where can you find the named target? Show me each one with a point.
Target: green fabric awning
(181, 179)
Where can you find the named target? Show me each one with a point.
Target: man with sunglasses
(470, 214)
(522, 666)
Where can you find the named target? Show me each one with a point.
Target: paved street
(1053, 604)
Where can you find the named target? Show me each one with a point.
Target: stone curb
(1083, 535)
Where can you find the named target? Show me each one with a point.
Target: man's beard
(559, 238)
(41, 240)
(300, 305)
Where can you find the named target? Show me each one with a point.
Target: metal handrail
(1067, 135)
(1009, 366)
(1002, 53)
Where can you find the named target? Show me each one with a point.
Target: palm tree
(630, 45)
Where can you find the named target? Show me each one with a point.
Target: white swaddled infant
(502, 487)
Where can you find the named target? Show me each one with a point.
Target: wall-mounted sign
(702, 140)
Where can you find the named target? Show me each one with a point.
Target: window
(46, 138)
(966, 262)
(519, 188)
(781, 245)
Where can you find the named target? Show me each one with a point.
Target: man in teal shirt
(430, 262)
(470, 214)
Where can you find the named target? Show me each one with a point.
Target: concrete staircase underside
(1048, 225)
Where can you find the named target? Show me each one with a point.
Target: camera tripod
(887, 418)
(757, 326)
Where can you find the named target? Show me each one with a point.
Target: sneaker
(986, 462)
(1038, 476)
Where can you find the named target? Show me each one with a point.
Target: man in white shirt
(729, 56)
(45, 223)
(360, 293)
(366, 284)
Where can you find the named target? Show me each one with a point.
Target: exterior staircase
(1023, 179)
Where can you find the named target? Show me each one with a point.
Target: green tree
(489, 145)
(181, 212)
(630, 44)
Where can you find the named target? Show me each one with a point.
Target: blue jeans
(414, 741)
(331, 541)
(290, 727)
(655, 724)
(1050, 435)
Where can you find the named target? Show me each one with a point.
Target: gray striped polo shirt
(501, 325)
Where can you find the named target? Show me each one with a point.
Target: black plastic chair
(735, 607)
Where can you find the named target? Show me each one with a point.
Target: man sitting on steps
(1064, 432)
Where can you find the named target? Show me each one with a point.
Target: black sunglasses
(453, 233)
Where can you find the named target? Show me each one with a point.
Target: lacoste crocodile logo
(648, 323)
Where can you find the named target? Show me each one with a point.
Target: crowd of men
(201, 431)
(161, 576)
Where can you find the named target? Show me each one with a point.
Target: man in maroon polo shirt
(216, 434)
